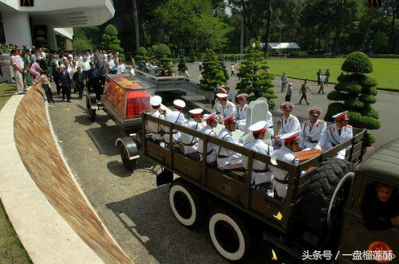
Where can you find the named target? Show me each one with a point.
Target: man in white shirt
(312, 130)
(226, 158)
(260, 171)
(190, 143)
(211, 123)
(288, 122)
(176, 116)
(155, 128)
(227, 109)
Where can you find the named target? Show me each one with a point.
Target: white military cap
(221, 95)
(242, 96)
(210, 117)
(222, 90)
(262, 99)
(230, 119)
(197, 112)
(316, 111)
(341, 116)
(287, 105)
(258, 127)
(290, 137)
(62, 66)
(156, 100)
(179, 104)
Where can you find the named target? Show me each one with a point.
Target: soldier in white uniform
(260, 170)
(218, 106)
(177, 117)
(154, 128)
(269, 118)
(211, 122)
(288, 122)
(242, 111)
(337, 133)
(285, 153)
(190, 143)
(228, 108)
(228, 159)
(242, 106)
(312, 130)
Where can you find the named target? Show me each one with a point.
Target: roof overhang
(284, 45)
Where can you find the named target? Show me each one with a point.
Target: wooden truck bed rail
(234, 187)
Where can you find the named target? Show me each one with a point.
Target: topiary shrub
(356, 93)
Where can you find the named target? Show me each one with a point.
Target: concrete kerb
(43, 232)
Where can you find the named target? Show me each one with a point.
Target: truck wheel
(186, 204)
(229, 235)
(130, 165)
(326, 195)
(90, 112)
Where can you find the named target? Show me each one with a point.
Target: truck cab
(359, 241)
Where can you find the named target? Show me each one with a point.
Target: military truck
(319, 220)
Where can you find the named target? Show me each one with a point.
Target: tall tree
(254, 74)
(136, 24)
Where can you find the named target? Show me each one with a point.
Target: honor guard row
(313, 134)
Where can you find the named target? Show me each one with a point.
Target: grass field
(384, 70)
(11, 249)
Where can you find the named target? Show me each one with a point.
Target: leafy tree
(182, 67)
(212, 72)
(255, 78)
(40, 37)
(82, 44)
(356, 93)
(110, 39)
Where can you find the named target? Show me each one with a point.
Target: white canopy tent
(283, 45)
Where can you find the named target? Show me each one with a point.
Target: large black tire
(130, 165)
(90, 112)
(187, 204)
(326, 194)
(229, 235)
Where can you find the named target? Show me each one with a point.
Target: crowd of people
(71, 71)
(290, 136)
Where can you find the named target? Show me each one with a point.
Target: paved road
(134, 210)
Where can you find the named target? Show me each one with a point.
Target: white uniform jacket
(242, 112)
(269, 123)
(280, 180)
(176, 117)
(153, 127)
(228, 109)
(210, 148)
(288, 125)
(226, 158)
(260, 170)
(333, 137)
(190, 143)
(311, 134)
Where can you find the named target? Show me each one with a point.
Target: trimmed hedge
(357, 62)
(348, 87)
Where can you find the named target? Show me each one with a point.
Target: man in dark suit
(66, 84)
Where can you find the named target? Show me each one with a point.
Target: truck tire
(325, 195)
(90, 112)
(130, 165)
(186, 204)
(229, 235)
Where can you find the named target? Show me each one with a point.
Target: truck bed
(234, 187)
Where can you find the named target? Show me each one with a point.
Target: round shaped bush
(142, 51)
(369, 90)
(368, 81)
(357, 62)
(368, 98)
(353, 104)
(334, 109)
(336, 96)
(348, 87)
(367, 110)
(369, 139)
(354, 77)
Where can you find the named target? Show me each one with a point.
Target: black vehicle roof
(384, 162)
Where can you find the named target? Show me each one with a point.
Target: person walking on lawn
(304, 91)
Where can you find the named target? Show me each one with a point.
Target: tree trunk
(136, 24)
(391, 41)
(268, 24)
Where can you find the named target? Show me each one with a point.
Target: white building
(55, 17)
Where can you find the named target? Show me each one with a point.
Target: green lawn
(11, 249)
(384, 71)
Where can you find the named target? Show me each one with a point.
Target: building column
(51, 39)
(16, 28)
